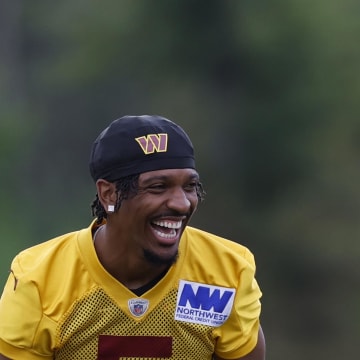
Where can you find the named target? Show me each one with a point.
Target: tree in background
(269, 93)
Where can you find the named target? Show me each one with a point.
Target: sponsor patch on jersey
(138, 307)
(203, 304)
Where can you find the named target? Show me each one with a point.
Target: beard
(155, 259)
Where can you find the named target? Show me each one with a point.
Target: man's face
(152, 222)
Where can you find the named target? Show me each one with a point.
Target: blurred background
(269, 93)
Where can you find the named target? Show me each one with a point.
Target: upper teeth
(169, 224)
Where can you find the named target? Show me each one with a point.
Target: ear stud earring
(111, 208)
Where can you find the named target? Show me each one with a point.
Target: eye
(191, 186)
(156, 187)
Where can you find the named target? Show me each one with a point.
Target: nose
(179, 201)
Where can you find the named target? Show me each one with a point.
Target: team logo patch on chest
(203, 304)
(138, 307)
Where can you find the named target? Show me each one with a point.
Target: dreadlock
(200, 192)
(125, 187)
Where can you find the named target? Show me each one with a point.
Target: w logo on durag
(153, 142)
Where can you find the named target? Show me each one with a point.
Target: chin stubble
(158, 260)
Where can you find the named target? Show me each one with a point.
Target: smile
(166, 229)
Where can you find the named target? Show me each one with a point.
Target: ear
(107, 194)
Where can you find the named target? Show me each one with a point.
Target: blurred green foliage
(268, 92)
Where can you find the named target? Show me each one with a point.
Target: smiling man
(138, 282)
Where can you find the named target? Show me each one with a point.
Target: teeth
(166, 236)
(169, 224)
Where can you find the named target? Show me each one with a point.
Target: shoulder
(211, 259)
(53, 262)
(44, 254)
(207, 242)
(50, 271)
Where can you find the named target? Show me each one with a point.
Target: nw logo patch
(153, 143)
(203, 304)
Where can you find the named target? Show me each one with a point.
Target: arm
(258, 353)
(20, 317)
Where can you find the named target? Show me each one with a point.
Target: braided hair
(125, 187)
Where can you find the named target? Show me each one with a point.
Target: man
(138, 282)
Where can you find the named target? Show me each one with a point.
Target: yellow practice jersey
(60, 303)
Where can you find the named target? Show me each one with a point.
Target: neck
(132, 271)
